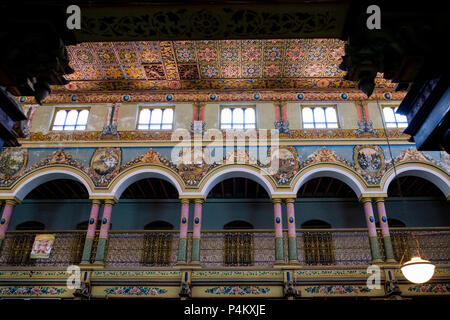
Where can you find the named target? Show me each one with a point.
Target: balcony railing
(230, 248)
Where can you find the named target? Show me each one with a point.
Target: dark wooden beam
(139, 187)
(329, 186)
(245, 187)
(304, 188)
(339, 188)
(149, 181)
(164, 189)
(317, 186)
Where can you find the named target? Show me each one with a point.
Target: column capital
(11, 201)
(199, 201)
(372, 196)
(104, 198)
(365, 199)
(185, 201)
(380, 199)
(290, 200)
(110, 201)
(96, 201)
(276, 200)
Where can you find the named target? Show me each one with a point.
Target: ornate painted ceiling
(207, 65)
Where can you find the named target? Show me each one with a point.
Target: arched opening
(329, 199)
(417, 202)
(238, 224)
(236, 206)
(58, 204)
(414, 201)
(147, 199)
(323, 203)
(30, 225)
(316, 224)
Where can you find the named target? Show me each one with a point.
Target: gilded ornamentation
(57, 157)
(325, 155)
(166, 135)
(288, 165)
(192, 170)
(369, 162)
(238, 290)
(105, 164)
(12, 162)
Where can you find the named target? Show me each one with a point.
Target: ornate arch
(342, 173)
(136, 173)
(237, 171)
(430, 172)
(41, 175)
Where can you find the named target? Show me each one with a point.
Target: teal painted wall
(135, 214)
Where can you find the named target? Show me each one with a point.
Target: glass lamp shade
(418, 270)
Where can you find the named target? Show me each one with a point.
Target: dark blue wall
(135, 214)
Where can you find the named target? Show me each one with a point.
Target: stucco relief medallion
(369, 162)
(287, 166)
(105, 164)
(12, 162)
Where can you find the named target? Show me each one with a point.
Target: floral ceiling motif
(209, 64)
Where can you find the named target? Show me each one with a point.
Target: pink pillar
(6, 217)
(382, 216)
(370, 220)
(92, 226)
(184, 218)
(278, 222)
(197, 218)
(291, 217)
(372, 229)
(106, 219)
(184, 222)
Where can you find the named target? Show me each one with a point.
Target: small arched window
(30, 225)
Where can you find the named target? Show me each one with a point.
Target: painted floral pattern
(430, 288)
(31, 291)
(135, 291)
(238, 290)
(335, 290)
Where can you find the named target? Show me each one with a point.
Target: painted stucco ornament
(104, 164)
(12, 161)
(287, 164)
(192, 170)
(369, 162)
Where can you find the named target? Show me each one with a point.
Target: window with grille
(238, 249)
(393, 119)
(319, 117)
(70, 119)
(238, 118)
(157, 244)
(155, 119)
(317, 246)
